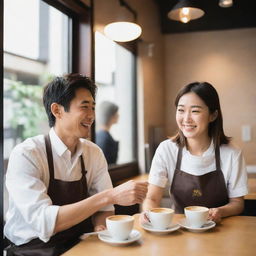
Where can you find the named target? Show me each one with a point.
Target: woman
(202, 166)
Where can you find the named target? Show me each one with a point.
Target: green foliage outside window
(27, 107)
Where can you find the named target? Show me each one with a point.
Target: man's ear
(56, 110)
(213, 116)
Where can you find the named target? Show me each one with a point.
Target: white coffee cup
(160, 218)
(120, 226)
(196, 215)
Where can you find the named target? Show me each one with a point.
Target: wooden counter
(235, 236)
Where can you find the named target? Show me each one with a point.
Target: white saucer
(148, 227)
(208, 225)
(134, 236)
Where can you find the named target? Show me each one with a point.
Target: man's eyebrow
(88, 102)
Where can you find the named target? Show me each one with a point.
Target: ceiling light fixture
(185, 10)
(225, 3)
(123, 29)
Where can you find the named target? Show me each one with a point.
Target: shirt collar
(57, 143)
(208, 152)
(60, 147)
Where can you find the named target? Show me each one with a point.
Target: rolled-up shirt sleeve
(237, 183)
(158, 172)
(29, 195)
(100, 178)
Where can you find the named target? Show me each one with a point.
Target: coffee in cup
(120, 226)
(160, 218)
(196, 215)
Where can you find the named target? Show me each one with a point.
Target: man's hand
(129, 193)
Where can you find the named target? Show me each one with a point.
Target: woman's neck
(198, 147)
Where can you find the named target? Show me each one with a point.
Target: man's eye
(180, 110)
(195, 111)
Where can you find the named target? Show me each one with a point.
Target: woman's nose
(187, 116)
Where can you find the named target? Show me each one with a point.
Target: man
(58, 185)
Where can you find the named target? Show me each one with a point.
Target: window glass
(36, 48)
(115, 108)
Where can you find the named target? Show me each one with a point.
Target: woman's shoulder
(230, 149)
(167, 146)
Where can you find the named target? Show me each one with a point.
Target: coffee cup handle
(146, 214)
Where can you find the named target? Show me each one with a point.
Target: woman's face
(193, 116)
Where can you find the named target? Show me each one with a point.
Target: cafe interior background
(42, 39)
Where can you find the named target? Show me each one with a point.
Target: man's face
(77, 121)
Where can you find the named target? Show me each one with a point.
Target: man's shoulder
(35, 143)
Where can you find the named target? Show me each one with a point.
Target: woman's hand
(144, 218)
(215, 215)
(99, 228)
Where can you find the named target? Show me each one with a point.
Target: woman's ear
(213, 116)
(56, 110)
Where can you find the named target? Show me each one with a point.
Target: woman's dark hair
(62, 90)
(209, 95)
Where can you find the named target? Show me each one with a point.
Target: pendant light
(185, 10)
(225, 3)
(123, 29)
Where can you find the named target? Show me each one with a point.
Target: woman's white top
(231, 162)
(31, 213)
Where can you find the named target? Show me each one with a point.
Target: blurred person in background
(108, 116)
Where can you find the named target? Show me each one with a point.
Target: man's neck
(69, 141)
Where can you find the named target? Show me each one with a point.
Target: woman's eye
(180, 110)
(195, 111)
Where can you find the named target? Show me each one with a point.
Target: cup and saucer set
(196, 219)
(120, 231)
(160, 221)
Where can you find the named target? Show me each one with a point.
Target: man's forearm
(99, 218)
(72, 214)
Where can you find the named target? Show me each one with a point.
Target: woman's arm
(153, 197)
(234, 207)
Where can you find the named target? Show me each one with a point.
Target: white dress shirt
(31, 213)
(232, 165)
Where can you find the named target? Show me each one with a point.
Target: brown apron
(61, 193)
(206, 190)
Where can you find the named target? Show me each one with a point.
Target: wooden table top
(235, 236)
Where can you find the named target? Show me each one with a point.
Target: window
(36, 48)
(115, 77)
(41, 39)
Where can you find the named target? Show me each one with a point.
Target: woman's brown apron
(205, 190)
(61, 193)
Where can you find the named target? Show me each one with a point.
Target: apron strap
(179, 159)
(217, 158)
(82, 166)
(49, 155)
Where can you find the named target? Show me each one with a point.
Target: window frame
(81, 58)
